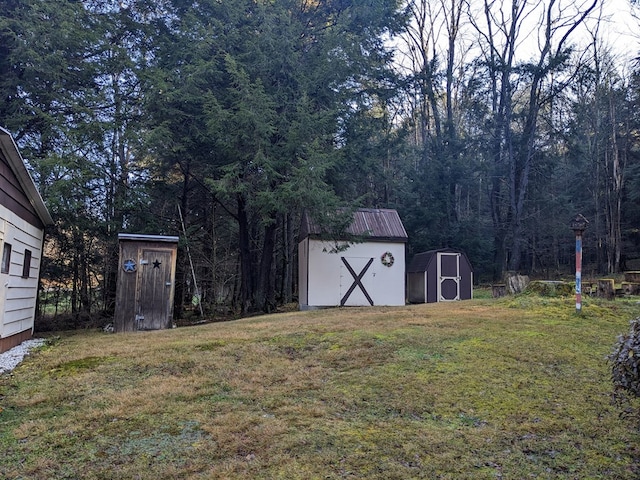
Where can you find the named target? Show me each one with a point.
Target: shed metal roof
(135, 237)
(420, 261)
(376, 224)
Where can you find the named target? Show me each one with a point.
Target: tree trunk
(614, 210)
(288, 250)
(264, 288)
(246, 261)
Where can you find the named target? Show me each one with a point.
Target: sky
(623, 22)
(619, 28)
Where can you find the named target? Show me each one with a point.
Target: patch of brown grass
(514, 388)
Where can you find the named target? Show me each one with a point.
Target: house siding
(23, 217)
(18, 300)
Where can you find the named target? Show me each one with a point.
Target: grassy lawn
(514, 388)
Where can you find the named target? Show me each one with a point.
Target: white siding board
(12, 316)
(16, 222)
(17, 327)
(21, 288)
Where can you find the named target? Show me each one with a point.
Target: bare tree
(523, 80)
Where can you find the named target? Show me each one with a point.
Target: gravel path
(11, 358)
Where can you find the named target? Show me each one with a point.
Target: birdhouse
(146, 282)
(578, 224)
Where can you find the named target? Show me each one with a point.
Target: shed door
(155, 290)
(448, 276)
(357, 281)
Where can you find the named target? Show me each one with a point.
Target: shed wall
(466, 282)
(432, 280)
(303, 272)
(329, 281)
(416, 287)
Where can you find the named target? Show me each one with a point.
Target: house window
(26, 266)
(6, 258)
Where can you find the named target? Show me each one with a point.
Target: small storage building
(146, 278)
(366, 273)
(439, 276)
(23, 218)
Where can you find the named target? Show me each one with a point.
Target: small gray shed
(439, 276)
(145, 289)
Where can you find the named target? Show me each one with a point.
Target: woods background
(487, 124)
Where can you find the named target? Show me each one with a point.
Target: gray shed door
(155, 289)
(448, 276)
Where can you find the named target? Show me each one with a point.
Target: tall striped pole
(578, 225)
(578, 272)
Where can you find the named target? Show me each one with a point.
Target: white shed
(369, 272)
(23, 217)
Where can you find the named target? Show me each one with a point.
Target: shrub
(625, 364)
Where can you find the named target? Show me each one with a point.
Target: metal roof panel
(376, 224)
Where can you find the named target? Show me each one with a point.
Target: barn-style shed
(23, 218)
(368, 272)
(439, 276)
(146, 278)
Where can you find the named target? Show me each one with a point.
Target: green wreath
(387, 259)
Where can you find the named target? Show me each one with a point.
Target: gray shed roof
(16, 163)
(135, 237)
(420, 261)
(376, 224)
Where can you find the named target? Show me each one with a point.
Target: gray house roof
(374, 224)
(10, 152)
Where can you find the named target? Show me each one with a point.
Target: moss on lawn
(511, 388)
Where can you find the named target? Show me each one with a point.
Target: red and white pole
(578, 271)
(578, 225)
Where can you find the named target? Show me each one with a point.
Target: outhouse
(439, 276)
(370, 271)
(23, 218)
(146, 282)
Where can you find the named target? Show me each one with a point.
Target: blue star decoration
(157, 264)
(129, 265)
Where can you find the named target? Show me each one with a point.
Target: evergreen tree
(247, 101)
